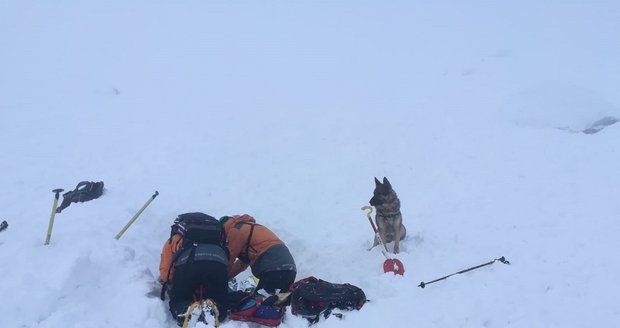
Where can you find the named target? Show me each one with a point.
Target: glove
(233, 285)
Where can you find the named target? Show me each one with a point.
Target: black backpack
(195, 228)
(198, 228)
(84, 191)
(312, 298)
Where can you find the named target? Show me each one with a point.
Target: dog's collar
(385, 214)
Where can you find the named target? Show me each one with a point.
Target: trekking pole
(51, 224)
(501, 259)
(118, 236)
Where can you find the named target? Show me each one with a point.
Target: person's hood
(238, 218)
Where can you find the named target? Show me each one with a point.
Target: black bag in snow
(84, 191)
(312, 298)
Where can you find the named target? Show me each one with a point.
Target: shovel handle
(374, 228)
(369, 209)
(390, 265)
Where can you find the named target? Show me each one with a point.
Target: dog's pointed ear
(387, 183)
(377, 182)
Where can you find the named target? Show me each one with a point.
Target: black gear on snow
(84, 191)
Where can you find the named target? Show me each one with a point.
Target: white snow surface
(287, 110)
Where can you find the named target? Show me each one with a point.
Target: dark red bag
(312, 298)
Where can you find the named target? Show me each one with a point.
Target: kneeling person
(194, 264)
(254, 245)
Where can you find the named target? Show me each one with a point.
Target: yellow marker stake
(118, 236)
(51, 224)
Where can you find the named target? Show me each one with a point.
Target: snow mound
(566, 107)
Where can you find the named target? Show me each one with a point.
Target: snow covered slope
(287, 111)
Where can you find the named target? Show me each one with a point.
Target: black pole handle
(57, 192)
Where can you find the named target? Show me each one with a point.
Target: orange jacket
(238, 234)
(171, 247)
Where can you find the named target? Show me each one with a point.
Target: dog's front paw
(396, 249)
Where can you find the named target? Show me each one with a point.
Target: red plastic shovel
(390, 265)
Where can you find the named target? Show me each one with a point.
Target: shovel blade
(394, 265)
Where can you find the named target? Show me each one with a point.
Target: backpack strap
(247, 243)
(245, 256)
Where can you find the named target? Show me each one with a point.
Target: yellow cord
(203, 306)
(189, 311)
(216, 312)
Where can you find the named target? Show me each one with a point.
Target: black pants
(272, 280)
(208, 277)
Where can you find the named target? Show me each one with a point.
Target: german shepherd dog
(388, 218)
